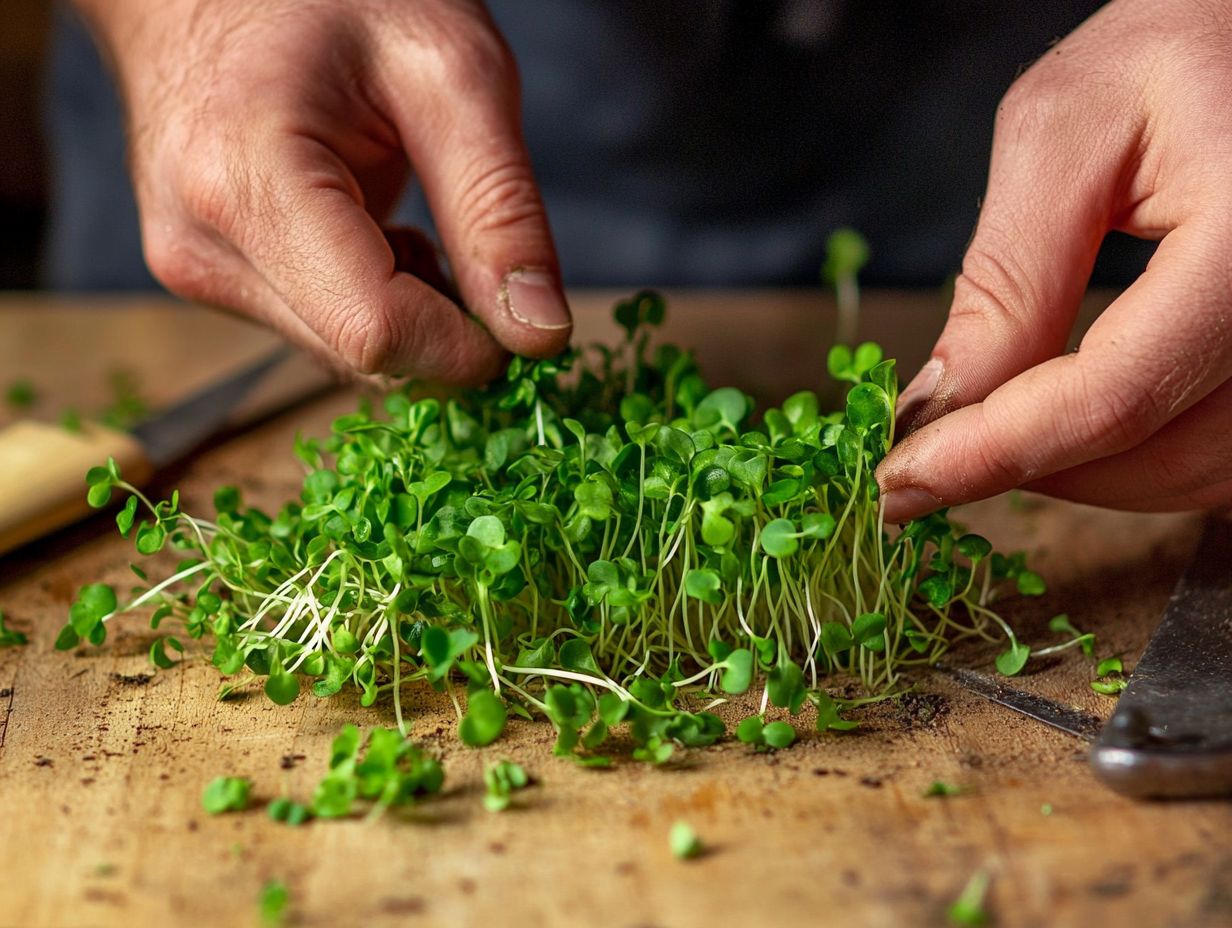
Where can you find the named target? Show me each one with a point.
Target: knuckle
(993, 465)
(992, 292)
(1034, 105)
(473, 56)
(208, 193)
(364, 340)
(1107, 416)
(500, 195)
(173, 259)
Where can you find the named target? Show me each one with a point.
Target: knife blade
(1069, 719)
(42, 466)
(169, 435)
(1170, 735)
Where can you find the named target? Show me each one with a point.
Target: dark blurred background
(25, 27)
(678, 142)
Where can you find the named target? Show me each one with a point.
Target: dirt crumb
(405, 905)
(132, 679)
(920, 710)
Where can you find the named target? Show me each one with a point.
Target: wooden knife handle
(43, 475)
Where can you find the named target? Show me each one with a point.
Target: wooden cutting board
(102, 764)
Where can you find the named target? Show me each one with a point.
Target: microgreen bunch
(600, 538)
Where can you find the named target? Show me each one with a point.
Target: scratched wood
(102, 764)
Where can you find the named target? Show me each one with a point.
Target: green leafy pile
(379, 770)
(601, 538)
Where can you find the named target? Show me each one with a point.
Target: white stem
(154, 591)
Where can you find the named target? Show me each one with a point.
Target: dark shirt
(685, 141)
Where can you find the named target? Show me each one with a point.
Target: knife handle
(42, 475)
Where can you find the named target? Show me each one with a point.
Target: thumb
(462, 133)
(1046, 210)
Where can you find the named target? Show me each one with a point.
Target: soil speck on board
(920, 710)
(132, 679)
(405, 905)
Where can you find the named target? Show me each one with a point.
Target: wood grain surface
(102, 762)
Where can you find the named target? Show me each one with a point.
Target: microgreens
(391, 771)
(272, 903)
(684, 842)
(226, 794)
(127, 407)
(500, 780)
(1109, 677)
(846, 254)
(765, 736)
(383, 769)
(600, 538)
(1061, 625)
(968, 909)
(10, 637)
(20, 394)
(288, 811)
(70, 419)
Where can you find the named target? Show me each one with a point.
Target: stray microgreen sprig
(1109, 677)
(11, 637)
(684, 842)
(846, 253)
(765, 736)
(272, 903)
(376, 771)
(20, 394)
(942, 789)
(501, 779)
(226, 794)
(968, 909)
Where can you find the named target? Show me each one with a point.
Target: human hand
(269, 141)
(1123, 125)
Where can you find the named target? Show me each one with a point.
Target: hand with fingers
(269, 141)
(1123, 125)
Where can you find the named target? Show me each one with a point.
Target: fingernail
(533, 297)
(919, 390)
(907, 503)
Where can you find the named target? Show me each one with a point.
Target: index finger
(325, 257)
(1157, 350)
